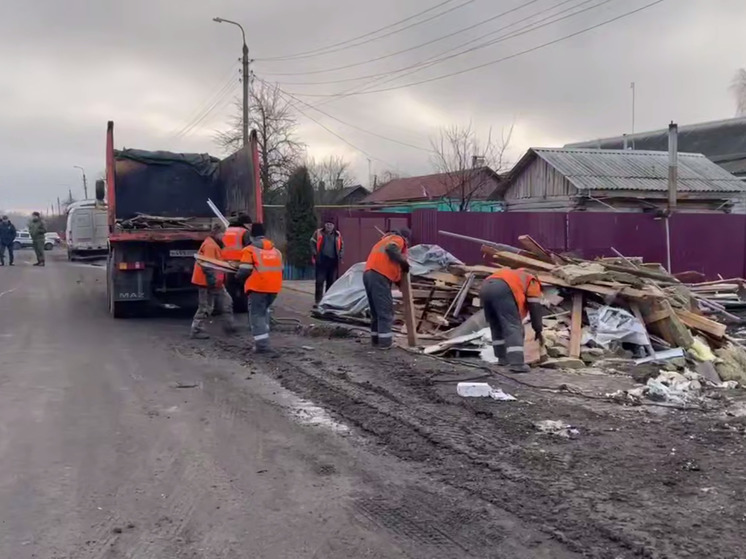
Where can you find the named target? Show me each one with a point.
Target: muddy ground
(644, 482)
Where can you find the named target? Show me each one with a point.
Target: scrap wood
(461, 298)
(406, 290)
(518, 261)
(663, 318)
(585, 272)
(576, 326)
(532, 246)
(635, 308)
(426, 309)
(701, 323)
(658, 276)
(216, 264)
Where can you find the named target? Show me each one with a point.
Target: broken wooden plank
(462, 296)
(662, 317)
(532, 246)
(426, 309)
(702, 324)
(600, 288)
(406, 291)
(657, 276)
(518, 261)
(635, 308)
(576, 325)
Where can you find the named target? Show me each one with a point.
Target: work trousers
(381, 303)
(506, 326)
(3, 246)
(207, 299)
(326, 273)
(259, 304)
(39, 249)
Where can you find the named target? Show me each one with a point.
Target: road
(103, 455)
(125, 439)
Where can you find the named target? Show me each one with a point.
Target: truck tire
(48, 246)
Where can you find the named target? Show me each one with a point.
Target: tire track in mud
(444, 442)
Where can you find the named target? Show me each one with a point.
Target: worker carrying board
(507, 297)
(261, 269)
(211, 287)
(385, 265)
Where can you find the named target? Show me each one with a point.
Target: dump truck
(158, 216)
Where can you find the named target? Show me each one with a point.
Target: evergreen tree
(300, 218)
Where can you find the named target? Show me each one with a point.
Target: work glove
(405, 267)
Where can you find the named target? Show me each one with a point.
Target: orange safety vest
(211, 249)
(266, 277)
(233, 243)
(380, 262)
(526, 287)
(320, 241)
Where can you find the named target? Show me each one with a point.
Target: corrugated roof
(713, 139)
(433, 187)
(603, 169)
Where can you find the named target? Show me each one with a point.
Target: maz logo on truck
(125, 295)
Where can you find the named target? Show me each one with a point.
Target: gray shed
(560, 179)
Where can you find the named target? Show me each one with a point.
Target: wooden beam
(703, 324)
(635, 307)
(426, 309)
(406, 291)
(462, 296)
(532, 246)
(576, 325)
(518, 261)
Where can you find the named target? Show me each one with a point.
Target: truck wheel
(48, 246)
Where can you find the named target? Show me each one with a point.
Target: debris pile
(611, 309)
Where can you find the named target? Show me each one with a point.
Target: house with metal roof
(560, 179)
(721, 141)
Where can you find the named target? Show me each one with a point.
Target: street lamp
(245, 62)
(85, 182)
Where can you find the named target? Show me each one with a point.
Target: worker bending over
(508, 296)
(261, 269)
(385, 265)
(211, 288)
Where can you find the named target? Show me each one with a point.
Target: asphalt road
(115, 444)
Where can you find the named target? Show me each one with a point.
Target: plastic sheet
(612, 324)
(346, 297)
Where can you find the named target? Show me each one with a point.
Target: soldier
(37, 230)
(211, 285)
(507, 297)
(261, 269)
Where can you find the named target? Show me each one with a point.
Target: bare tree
(280, 150)
(334, 171)
(467, 163)
(386, 176)
(738, 87)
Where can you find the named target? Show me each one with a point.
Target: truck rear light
(132, 265)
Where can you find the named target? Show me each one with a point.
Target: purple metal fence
(711, 244)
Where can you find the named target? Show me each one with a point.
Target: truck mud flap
(132, 285)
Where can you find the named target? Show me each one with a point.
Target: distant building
(442, 189)
(347, 196)
(559, 179)
(722, 142)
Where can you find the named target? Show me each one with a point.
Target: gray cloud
(68, 66)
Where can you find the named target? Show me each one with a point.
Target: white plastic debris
(556, 427)
(482, 390)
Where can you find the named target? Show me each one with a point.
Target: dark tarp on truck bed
(166, 184)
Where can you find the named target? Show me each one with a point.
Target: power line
(219, 102)
(349, 124)
(441, 38)
(329, 50)
(522, 31)
(498, 60)
(208, 100)
(333, 133)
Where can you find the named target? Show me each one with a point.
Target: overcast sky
(152, 66)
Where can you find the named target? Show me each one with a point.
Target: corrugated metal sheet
(597, 169)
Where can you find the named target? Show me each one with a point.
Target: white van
(87, 232)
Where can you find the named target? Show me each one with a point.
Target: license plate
(182, 253)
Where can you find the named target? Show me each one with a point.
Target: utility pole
(59, 206)
(632, 87)
(85, 182)
(246, 78)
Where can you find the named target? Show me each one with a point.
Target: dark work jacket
(7, 233)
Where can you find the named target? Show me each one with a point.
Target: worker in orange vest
(507, 297)
(385, 265)
(211, 288)
(327, 248)
(236, 236)
(261, 269)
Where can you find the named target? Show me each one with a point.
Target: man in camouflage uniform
(37, 230)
